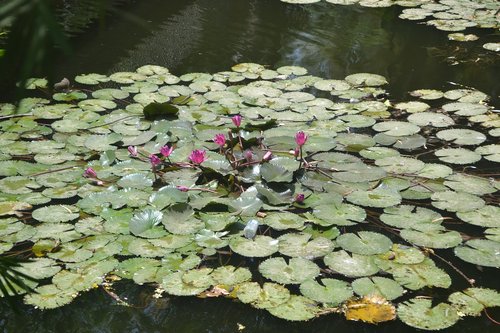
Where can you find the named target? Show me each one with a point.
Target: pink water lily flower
(198, 156)
(154, 160)
(89, 173)
(220, 139)
(300, 138)
(132, 150)
(166, 150)
(236, 120)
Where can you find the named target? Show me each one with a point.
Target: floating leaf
(364, 242)
(379, 197)
(145, 220)
(480, 252)
(330, 291)
(351, 266)
(384, 287)
(301, 245)
(269, 296)
(297, 308)
(260, 246)
(296, 271)
(456, 201)
(420, 313)
(56, 213)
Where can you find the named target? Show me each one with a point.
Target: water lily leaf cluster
(446, 15)
(316, 205)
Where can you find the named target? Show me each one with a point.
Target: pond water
(212, 35)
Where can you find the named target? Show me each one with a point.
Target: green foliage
(99, 189)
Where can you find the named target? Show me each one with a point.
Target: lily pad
(364, 242)
(297, 308)
(387, 288)
(456, 201)
(481, 252)
(354, 265)
(260, 246)
(420, 313)
(331, 291)
(296, 271)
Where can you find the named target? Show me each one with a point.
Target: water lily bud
(132, 150)
(267, 156)
(250, 229)
(236, 120)
(198, 156)
(89, 173)
(299, 198)
(248, 155)
(166, 150)
(300, 138)
(296, 152)
(220, 139)
(182, 188)
(154, 160)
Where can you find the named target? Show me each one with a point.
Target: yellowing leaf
(370, 309)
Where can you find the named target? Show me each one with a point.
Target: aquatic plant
(366, 214)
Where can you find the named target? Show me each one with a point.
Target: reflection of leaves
(33, 32)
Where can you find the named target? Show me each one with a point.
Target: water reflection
(96, 312)
(330, 41)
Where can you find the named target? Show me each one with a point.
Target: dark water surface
(330, 41)
(212, 35)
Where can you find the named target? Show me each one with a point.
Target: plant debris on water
(314, 196)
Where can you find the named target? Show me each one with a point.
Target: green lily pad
(433, 238)
(260, 246)
(378, 197)
(354, 265)
(364, 242)
(297, 308)
(269, 295)
(457, 155)
(145, 220)
(13, 208)
(330, 291)
(465, 305)
(456, 201)
(431, 119)
(396, 128)
(486, 216)
(174, 285)
(366, 79)
(417, 276)
(480, 252)
(301, 245)
(490, 152)
(50, 297)
(296, 271)
(420, 313)
(387, 288)
(284, 220)
(462, 136)
(462, 182)
(56, 213)
(230, 275)
(339, 214)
